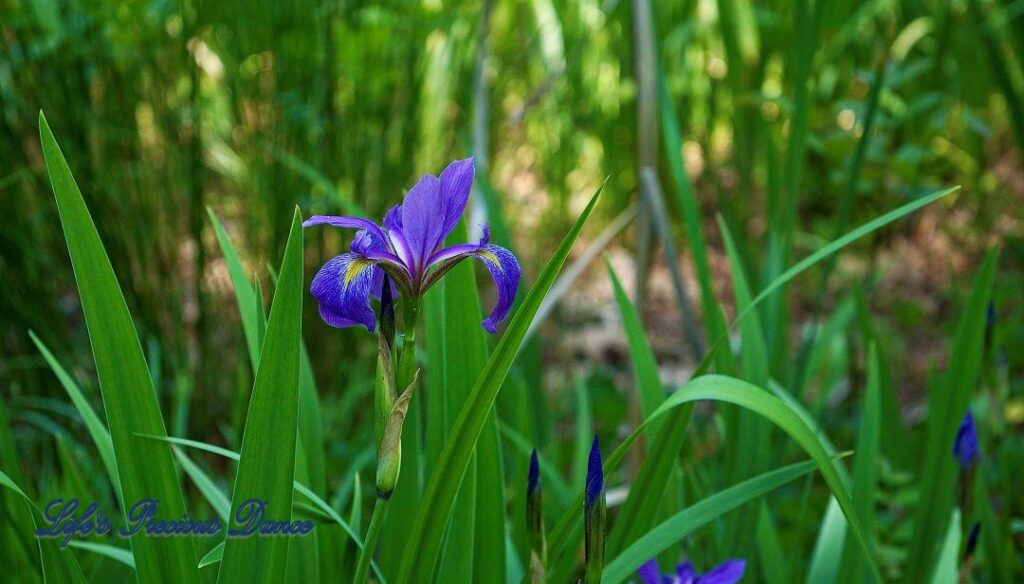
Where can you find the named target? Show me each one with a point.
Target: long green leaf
(97, 429)
(309, 451)
(300, 488)
(648, 489)
(59, 566)
(267, 467)
(245, 294)
(439, 497)
(837, 244)
(128, 394)
(745, 395)
(947, 569)
(822, 253)
(210, 491)
(115, 553)
(668, 532)
(865, 468)
(947, 407)
(645, 367)
(751, 435)
(689, 208)
(458, 352)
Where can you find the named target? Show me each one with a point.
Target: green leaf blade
(438, 499)
(267, 465)
(679, 525)
(146, 469)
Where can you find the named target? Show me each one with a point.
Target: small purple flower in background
(965, 448)
(728, 572)
(408, 248)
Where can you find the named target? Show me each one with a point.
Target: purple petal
(347, 223)
(342, 288)
(505, 271)
(728, 572)
(502, 265)
(454, 251)
(377, 284)
(433, 208)
(423, 219)
(650, 573)
(393, 225)
(456, 183)
(685, 573)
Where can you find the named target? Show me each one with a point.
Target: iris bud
(389, 452)
(535, 523)
(594, 512)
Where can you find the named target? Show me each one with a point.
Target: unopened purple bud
(595, 474)
(965, 448)
(533, 480)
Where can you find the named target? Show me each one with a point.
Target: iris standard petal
(347, 223)
(342, 288)
(728, 572)
(456, 183)
(650, 573)
(422, 219)
(393, 226)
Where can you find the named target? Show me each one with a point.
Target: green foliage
(447, 474)
(771, 127)
(146, 469)
(267, 465)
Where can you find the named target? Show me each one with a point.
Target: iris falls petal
(342, 288)
(505, 272)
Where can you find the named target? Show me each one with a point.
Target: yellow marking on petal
(489, 256)
(354, 268)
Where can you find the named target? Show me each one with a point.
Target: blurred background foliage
(165, 108)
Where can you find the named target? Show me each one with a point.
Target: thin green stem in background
(380, 508)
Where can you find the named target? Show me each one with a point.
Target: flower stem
(407, 361)
(370, 543)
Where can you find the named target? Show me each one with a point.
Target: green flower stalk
(390, 412)
(385, 395)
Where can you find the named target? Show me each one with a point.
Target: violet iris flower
(408, 247)
(728, 572)
(965, 447)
